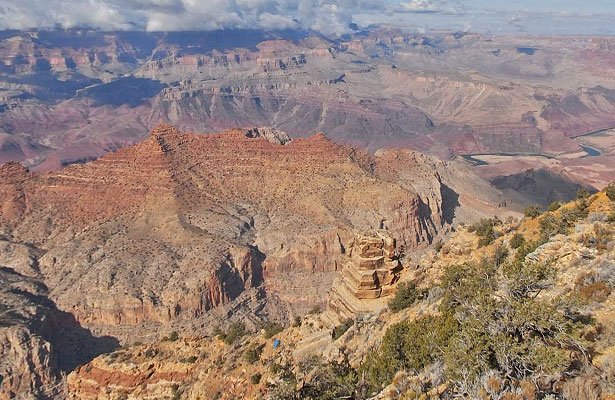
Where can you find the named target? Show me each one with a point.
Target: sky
(326, 16)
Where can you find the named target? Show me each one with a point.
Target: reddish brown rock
(161, 233)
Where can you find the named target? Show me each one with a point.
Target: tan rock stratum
(183, 232)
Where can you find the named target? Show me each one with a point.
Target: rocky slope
(579, 257)
(39, 344)
(442, 92)
(154, 236)
(583, 277)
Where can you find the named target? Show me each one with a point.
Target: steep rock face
(39, 344)
(371, 269)
(378, 89)
(28, 366)
(158, 235)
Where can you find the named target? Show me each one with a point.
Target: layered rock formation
(68, 97)
(184, 232)
(373, 266)
(369, 273)
(582, 270)
(157, 235)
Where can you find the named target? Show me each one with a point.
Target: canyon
(183, 232)
(445, 93)
(160, 190)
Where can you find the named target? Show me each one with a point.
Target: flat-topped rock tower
(368, 276)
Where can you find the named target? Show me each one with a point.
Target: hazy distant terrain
(70, 96)
(314, 218)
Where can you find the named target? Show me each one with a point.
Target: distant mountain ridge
(66, 96)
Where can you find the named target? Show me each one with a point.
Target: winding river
(589, 150)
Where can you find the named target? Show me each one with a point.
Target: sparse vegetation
(532, 212)
(485, 230)
(315, 310)
(320, 380)
(517, 241)
(271, 329)
(189, 360)
(236, 331)
(583, 194)
(511, 336)
(405, 296)
(610, 191)
(599, 237)
(554, 206)
(253, 353)
(255, 379)
(339, 330)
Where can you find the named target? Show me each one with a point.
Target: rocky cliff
(367, 277)
(156, 235)
(71, 96)
(313, 361)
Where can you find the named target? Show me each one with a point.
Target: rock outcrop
(270, 134)
(39, 344)
(157, 235)
(368, 275)
(374, 265)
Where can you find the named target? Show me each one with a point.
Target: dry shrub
(528, 389)
(596, 292)
(582, 388)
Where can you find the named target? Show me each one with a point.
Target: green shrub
(484, 229)
(438, 246)
(610, 191)
(297, 321)
(405, 296)
(582, 194)
(319, 380)
(189, 360)
(339, 330)
(491, 322)
(551, 224)
(554, 206)
(253, 353)
(272, 329)
(517, 241)
(532, 212)
(275, 368)
(408, 345)
(488, 238)
(173, 336)
(500, 254)
(236, 330)
(256, 379)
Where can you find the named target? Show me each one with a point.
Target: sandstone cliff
(156, 235)
(581, 276)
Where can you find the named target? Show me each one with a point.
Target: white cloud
(15, 14)
(428, 6)
(327, 16)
